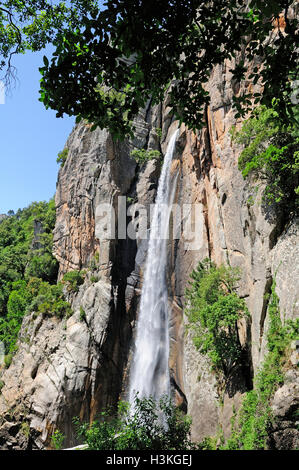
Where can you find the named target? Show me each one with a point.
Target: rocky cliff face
(75, 366)
(239, 232)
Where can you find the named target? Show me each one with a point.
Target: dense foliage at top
(108, 62)
(32, 24)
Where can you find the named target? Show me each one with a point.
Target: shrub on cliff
(142, 156)
(49, 300)
(252, 425)
(62, 156)
(36, 296)
(213, 311)
(73, 280)
(271, 155)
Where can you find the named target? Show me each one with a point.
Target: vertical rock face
(76, 366)
(236, 232)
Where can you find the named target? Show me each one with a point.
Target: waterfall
(150, 371)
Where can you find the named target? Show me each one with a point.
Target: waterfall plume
(150, 371)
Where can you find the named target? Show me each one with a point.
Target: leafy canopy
(108, 62)
(132, 51)
(32, 24)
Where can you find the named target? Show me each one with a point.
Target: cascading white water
(150, 372)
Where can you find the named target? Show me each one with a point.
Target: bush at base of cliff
(213, 311)
(57, 439)
(150, 425)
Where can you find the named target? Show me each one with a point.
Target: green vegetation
(62, 156)
(94, 262)
(250, 427)
(73, 280)
(36, 296)
(8, 359)
(57, 439)
(213, 310)
(31, 25)
(82, 314)
(20, 248)
(100, 72)
(48, 299)
(28, 271)
(154, 425)
(113, 99)
(142, 156)
(131, 72)
(271, 155)
(159, 132)
(24, 254)
(131, 200)
(25, 429)
(208, 443)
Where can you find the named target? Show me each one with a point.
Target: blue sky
(31, 138)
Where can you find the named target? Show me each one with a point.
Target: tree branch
(10, 18)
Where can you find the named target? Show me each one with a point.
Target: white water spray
(150, 370)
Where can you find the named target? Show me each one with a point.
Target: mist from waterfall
(150, 370)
